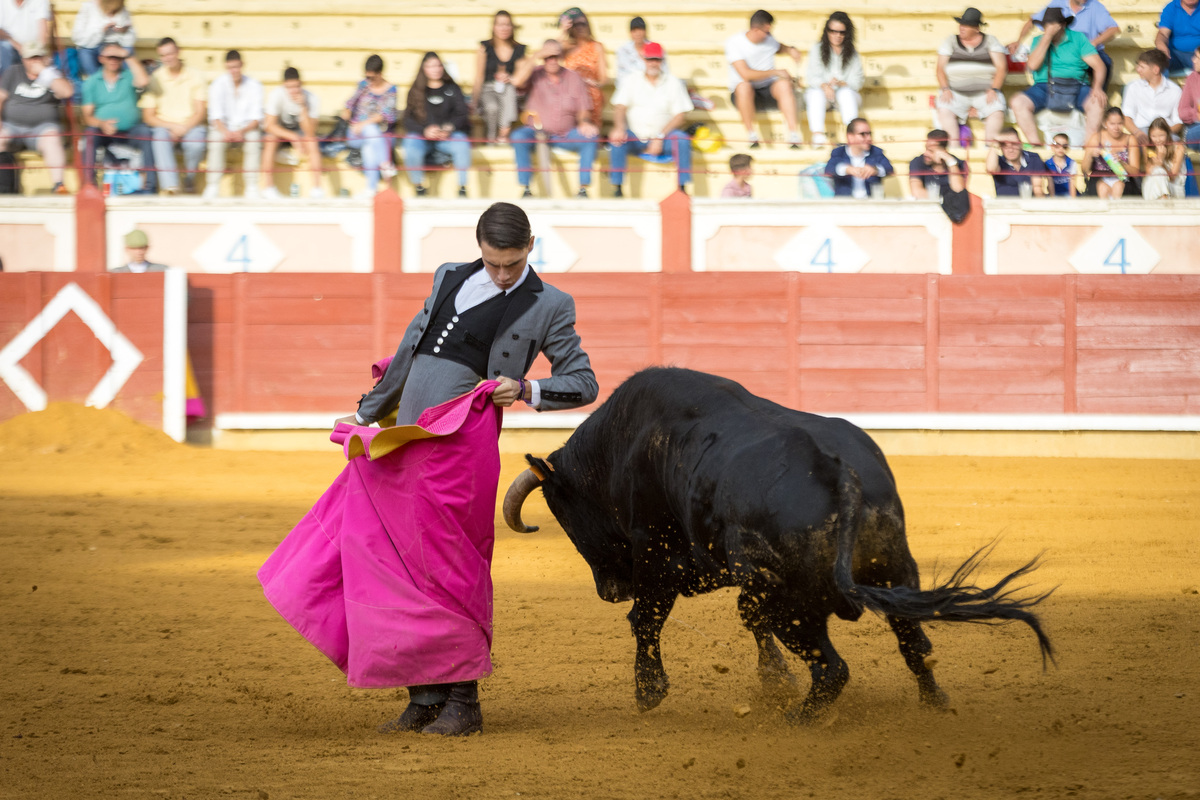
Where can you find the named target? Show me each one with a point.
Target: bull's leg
(647, 616)
(809, 639)
(915, 647)
(776, 678)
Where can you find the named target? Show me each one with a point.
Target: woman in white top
(834, 76)
(97, 23)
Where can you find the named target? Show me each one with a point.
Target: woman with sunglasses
(834, 76)
(585, 56)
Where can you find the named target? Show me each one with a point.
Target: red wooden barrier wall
(825, 343)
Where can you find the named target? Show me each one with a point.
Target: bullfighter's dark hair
(503, 226)
(761, 18)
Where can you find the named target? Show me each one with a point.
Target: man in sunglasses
(111, 114)
(858, 166)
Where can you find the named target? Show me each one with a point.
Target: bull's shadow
(684, 482)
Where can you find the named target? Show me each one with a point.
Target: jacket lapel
(452, 281)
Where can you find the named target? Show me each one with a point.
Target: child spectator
(584, 56)
(371, 112)
(435, 118)
(1111, 155)
(493, 91)
(96, 23)
(936, 167)
(1151, 96)
(290, 120)
(835, 76)
(1062, 167)
(742, 167)
(1165, 172)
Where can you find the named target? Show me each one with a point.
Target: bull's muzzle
(514, 499)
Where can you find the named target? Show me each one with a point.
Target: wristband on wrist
(521, 381)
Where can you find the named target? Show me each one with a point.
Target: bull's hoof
(934, 698)
(650, 693)
(779, 685)
(806, 713)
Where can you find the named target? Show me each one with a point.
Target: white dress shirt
(236, 106)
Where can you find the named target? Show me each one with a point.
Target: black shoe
(582, 192)
(795, 146)
(617, 192)
(420, 190)
(461, 715)
(754, 145)
(414, 718)
(462, 191)
(526, 193)
(683, 188)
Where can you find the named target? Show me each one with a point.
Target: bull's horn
(525, 483)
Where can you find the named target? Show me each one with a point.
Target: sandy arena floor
(139, 658)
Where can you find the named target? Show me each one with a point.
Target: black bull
(683, 482)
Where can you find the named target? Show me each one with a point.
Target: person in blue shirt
(1062, 167)
(857, 166)
(1179, 34)
(1088, 17)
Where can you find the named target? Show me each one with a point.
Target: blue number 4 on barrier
(240, 253)
(1123, 263)
(825, 249)
(537, 258)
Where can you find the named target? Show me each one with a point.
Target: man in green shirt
(111, 114)
(1066, 55)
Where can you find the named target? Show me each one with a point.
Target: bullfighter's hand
(507, 393)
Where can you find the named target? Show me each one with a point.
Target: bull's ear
(540, 466)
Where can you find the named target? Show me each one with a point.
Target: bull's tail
(953, 600)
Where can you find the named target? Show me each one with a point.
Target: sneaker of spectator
(1011, 166)
(858, 167)
(1189, 104)
(98, 22)
(649, 113)
(584, 56)
(23, 21)
(1111, 156)
(1179, 34)
(558, 106)
(371, 113)
(971, 69)
(1152, 96)
(436, 120)
(493, 94)
(1062, 168)
(1069, 54)
(1088, 17)
(175, 107)
(111, 115)
(834, 76)
(290, 121)
(936, 167)
(742, 168)
(235, 115)
(754, 82)
(30, 96)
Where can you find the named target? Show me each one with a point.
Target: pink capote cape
(389, 574)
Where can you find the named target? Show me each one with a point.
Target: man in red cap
(649, 111)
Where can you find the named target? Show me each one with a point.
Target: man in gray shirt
(29, 98)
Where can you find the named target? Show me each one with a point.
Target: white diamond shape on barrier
(1115, 250)
(821, 248)
(238, 246)
(551, 253)
(126, 357)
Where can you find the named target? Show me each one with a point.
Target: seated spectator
(96, 23)
(1179, 34)
(971, 69)
(30, 93)
(1062, 167)
(1088, 17)
(1150, 97)
(137, 244)
(858, 166)
(1069, 54)
(936, 167)
(1165, 170)
(649, 112)
(742, 167)
(834, 77)
(754, 83)
(22, 21)
(584, 56)
(629, 55)
(1110, 156)
(371, 113)
(559, 106)
(1189, 104)
(290, 120)
(175, 106)
(436, 119)
(235, 114)
(493, 91)
(1011, 167)
(111, 114)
